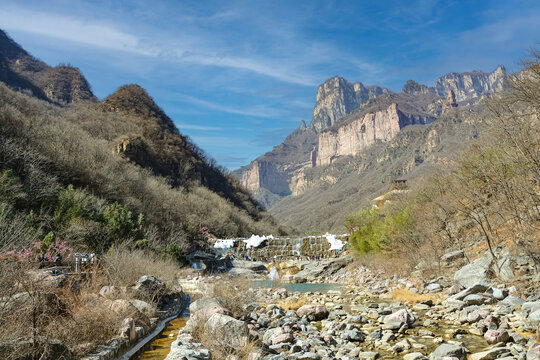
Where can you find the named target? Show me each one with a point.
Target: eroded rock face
(352, 138)
(470, 85)
(337, 97)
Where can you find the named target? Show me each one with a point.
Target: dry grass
(291, 303)
(234, 294)
(410, 297)
(123, 266)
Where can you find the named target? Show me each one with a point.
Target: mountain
(122, 156)
(349, 121)
(62, 84)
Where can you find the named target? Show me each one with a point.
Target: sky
(238, 76)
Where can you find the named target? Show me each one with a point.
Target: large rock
(201, 316)
(496, 336)
(489, 354)
(399, 318)
(202, 303)
(474, 289)
(148, 287)
(445, 351)
(223, 330)
(534, 352)
(475, 272)
(187, 350)
(319, 312)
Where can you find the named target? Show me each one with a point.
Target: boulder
(445, 351)
(202, 303)
(201, 316)
(144, 307)
(188, 351)
(535, 316)
(505, 269)
(489, 354)
(148, 287)
(223, 330)
(415, 356)
(513, 300)
(534, 352)
(399, 318)
(433, 288)
(476, 271)
(496, 336)
(476, 288)
(319, 312)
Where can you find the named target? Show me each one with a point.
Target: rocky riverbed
(374, 318)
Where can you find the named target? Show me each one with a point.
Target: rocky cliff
(61, 84)
(349, 118)
(337, 97)
(471, 85)
(356, 136)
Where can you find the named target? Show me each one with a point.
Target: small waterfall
(273, 274)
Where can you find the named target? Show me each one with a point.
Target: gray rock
(202, 303)
(506, 272)
(223, 330)
(499, 294)
(534, 352)
(399, 318)
(433, 288)
(475, 299)
(353, 335)
(476, 288)
(530, 307)
(319, 312)
(496, 336)
(489, 354)
(415, 356)
(449, 351)
(476, 271)
(304, 356)
(368, 355)
(453, 255)
(513, 300)
(535, 316)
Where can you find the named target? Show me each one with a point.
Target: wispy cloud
(68, 28)
(198, 127)
(256, 111)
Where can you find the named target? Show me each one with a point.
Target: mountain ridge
(417, 102)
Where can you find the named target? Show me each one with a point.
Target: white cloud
(257, 111)
(71, 29)
(198, 127)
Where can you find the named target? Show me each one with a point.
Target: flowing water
(161, 346)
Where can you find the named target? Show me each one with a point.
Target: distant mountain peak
(337, 97)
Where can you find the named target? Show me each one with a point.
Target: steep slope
(332, 191)
(62, 84)
(120, 167)
(349, 118)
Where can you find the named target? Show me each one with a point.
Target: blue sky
(238, 76)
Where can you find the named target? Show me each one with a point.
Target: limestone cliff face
(337, 97)
(349, 118)
(264, 174)
(357, 135)
(470, 85)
